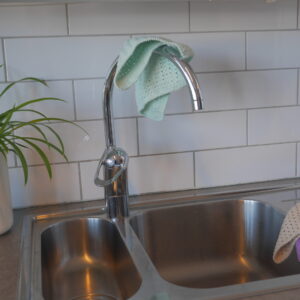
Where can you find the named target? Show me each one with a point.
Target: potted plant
(12, 141)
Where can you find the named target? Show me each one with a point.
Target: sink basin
(86, 259)
(214, 244)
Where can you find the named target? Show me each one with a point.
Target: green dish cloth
(154, 75)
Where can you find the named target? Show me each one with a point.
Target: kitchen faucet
(115, 160)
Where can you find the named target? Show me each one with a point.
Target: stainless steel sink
(214, 244)
(187, 245)
(86, 259)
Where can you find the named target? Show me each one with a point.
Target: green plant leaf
(23, 124)
(44, 142)
(22, 158)
(33, 111)
(6, 121)
(19, 107)
(40, 131)
(41, 154)
(29, 102)
(4, 149)
(9, 86)
(56, 135)
(34, 121)
(10, 141)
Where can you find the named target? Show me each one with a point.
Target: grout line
(80, 183)
(298, 82)
(194, 168)
(298, 13)
(74, 101)
(197, 73)
(246, 60)
(67, 19)
(170, 153)
(258, 70)
(137, 137)
(247, 127)
(189, 16)
(15, 160)
(4, 61)
(221, 148)
(66, 79)
(296, 162)
(186, 113)
(150, 33)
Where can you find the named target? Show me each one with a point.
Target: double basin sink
(217, 249)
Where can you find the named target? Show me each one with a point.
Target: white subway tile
(89, 100)
(133, 17)
(241, 165)
(276, 49)
(33, 20)
(40, 190)
(160, 173)
(214, 51)
(274, 125)
(89, 190)
(192, 132)
(24, 91)
(61, 57)
(243, 15)
(2, 77)
(79, 146)
(236, 90)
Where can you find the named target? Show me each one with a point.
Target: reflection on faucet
(115, 160)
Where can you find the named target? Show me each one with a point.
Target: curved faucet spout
(188, 74)
(115, 159)
(185, 69)
(107, 106)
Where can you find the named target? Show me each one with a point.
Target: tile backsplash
(247, 60)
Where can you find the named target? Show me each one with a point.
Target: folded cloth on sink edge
(288, 236)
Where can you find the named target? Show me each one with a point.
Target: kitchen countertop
(10, 243)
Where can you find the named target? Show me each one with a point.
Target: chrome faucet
(114, 159)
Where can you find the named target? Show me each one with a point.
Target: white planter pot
(6, 212)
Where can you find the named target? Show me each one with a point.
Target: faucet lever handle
(112, 157)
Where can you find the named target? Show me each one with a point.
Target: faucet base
(117, 207)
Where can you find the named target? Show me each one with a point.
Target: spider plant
(11, 141)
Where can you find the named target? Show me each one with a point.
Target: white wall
(246, 56)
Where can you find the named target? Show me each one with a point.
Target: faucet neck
(107, 106)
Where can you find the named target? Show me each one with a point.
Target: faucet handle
(112, 157)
